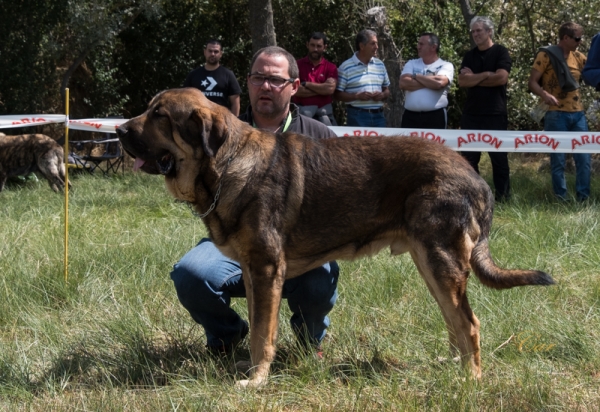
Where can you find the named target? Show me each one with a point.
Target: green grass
(114, 337)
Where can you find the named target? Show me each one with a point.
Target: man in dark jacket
(591, 71)
(206, 280)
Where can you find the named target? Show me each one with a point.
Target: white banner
(492, 140)
(462, 140)
(21, 120)
(96, 125)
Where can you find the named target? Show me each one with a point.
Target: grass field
(114, 337)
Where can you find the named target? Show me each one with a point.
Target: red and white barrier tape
(493, 140)
(21, 120)
(463, 140)
(96, 125)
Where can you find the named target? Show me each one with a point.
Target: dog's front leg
(264, 285)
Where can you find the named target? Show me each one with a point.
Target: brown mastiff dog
(27, 153)
(283, 204)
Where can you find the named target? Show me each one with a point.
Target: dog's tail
(495, 277)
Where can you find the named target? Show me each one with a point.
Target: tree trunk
(468, 14)
(527, 11)
(83, 54)
(392, 58)
(76, 63)
(262, 29)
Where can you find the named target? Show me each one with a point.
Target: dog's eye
(158, 112)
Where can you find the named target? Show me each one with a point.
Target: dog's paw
(242, 384)
(256, 379)
(442, 359)
(250, 383)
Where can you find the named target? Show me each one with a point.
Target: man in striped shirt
(363, 83)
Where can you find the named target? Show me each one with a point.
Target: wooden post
(66, 156)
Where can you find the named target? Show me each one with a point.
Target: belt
(378, 110)
(425, 111)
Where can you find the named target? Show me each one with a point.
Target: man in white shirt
(426, 81)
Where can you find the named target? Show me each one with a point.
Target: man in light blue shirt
(363, 83)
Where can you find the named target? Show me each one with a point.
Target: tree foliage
(29, 55)
(122, 52)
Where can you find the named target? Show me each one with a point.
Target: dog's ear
(212, 129)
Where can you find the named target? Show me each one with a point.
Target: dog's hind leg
(62, 172)
(263, 281)
(446, 274)
(49, 165)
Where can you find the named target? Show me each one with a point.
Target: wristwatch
(414, 76)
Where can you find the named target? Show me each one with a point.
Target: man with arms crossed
(206, 280)
(318, 78)
(426, 81)
(565, 113)
(484, 73)
(363, 83)
(216, 82)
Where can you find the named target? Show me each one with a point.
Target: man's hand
(364, 96)
(549, 99)
(378, 96)
(536, 88)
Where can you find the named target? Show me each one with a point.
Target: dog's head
(179, 125)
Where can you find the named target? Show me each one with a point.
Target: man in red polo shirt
(318, 79)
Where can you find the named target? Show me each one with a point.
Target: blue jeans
(569, 122)
(206, 280)
(357, 117)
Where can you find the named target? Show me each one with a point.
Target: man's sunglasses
(274, 81)
(577, 39)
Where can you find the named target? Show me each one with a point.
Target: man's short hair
(293, 71)
(485, 21)
(214, 41)
(363, 37)
(317, 35)
(568, 29)
(433, 40)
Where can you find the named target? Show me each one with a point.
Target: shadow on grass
(140, 364)
(150, 363)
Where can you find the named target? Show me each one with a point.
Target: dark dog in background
(27, 153)
(282, 204)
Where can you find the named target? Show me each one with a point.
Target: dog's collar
(217, 194)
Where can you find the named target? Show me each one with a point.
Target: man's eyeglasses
(577, 39)
(274, 81)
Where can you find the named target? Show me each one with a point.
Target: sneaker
(226, 350)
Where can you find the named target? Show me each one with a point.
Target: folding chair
(105, 154)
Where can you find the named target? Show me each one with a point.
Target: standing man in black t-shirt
(218, 83)
(484, 73)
